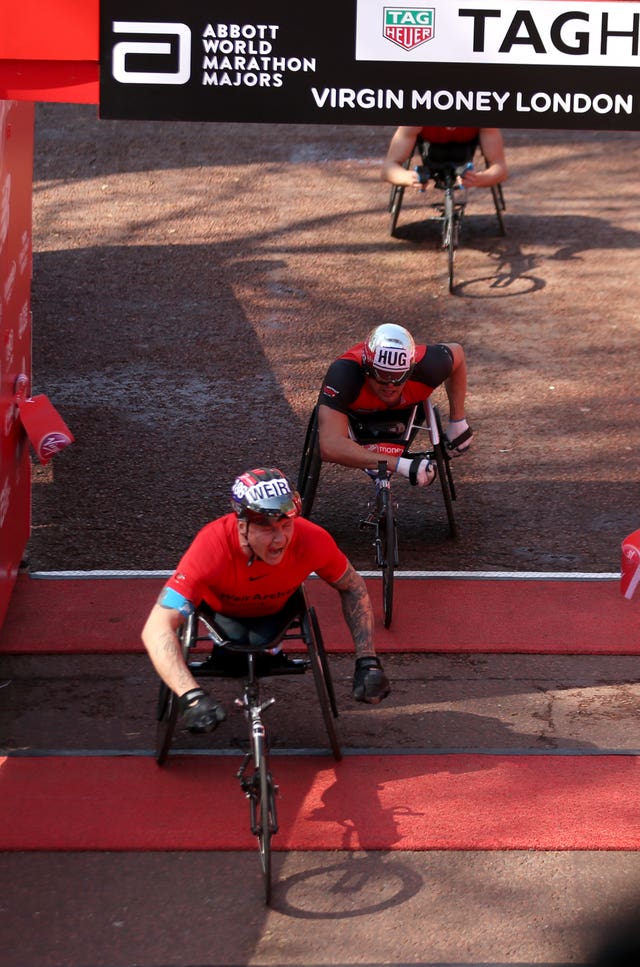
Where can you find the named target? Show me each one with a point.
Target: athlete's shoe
(227, 663)
(278, 664)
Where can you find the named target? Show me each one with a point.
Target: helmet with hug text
(264, 494)
(389, 354)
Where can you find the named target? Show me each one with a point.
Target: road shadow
(150, 382)
(518, 256)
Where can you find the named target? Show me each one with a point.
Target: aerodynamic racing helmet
(389, 354)
(262, 495)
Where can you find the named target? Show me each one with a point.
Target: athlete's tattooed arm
(357, 610)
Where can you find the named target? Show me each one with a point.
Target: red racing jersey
(345, 386)
(446, 135)
(216, 570)
(451, 145)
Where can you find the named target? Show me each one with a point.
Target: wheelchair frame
(381, 514)
(254, 774)
(450, 213)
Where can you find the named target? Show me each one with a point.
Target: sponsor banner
(385, 449)
(539, 33)
(16, 165)
(539, 63)
(630, 565)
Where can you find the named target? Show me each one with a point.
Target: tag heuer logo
(408, 27)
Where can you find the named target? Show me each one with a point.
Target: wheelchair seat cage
(392, 432)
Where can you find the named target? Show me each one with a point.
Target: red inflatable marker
(630, 568)
(47, 431)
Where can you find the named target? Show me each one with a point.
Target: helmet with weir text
(264, 494)
(389, 354)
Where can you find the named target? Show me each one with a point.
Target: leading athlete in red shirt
(246, 566)
(454, 144)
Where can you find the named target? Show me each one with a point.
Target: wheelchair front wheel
(264, 822)
(388, 557)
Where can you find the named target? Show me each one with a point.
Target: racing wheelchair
(391, 433)
(244, 649)
(449, 209)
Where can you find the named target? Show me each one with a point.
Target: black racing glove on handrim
(370, 684)
(201, 712)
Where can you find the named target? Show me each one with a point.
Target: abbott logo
(125, 48)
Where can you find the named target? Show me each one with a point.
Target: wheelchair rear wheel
(443, 463)
(167, 717)
(450, 229)
(310, 465)
(167, 711)
(395, 204)
(326, 671)
(322, 679)
(498, 201)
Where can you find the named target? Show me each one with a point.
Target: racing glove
(200, 712)
(370, 684)
(458, 436)
(420, 471)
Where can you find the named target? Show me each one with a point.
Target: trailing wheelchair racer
(375, 405)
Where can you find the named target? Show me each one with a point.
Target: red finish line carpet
(106, 615)
(412, 802)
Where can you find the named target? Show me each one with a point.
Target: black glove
(200, 712)
(370, 684)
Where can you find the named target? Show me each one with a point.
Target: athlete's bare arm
(337, 447)
(160, 638)
(400, 150)
(456, 384)
(492, 145)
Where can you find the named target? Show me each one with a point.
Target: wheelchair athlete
(385, 374)
(455, 145)
(245, 567)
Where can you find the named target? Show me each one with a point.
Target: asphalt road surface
(193, 281)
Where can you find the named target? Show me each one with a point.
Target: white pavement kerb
(430, 575)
